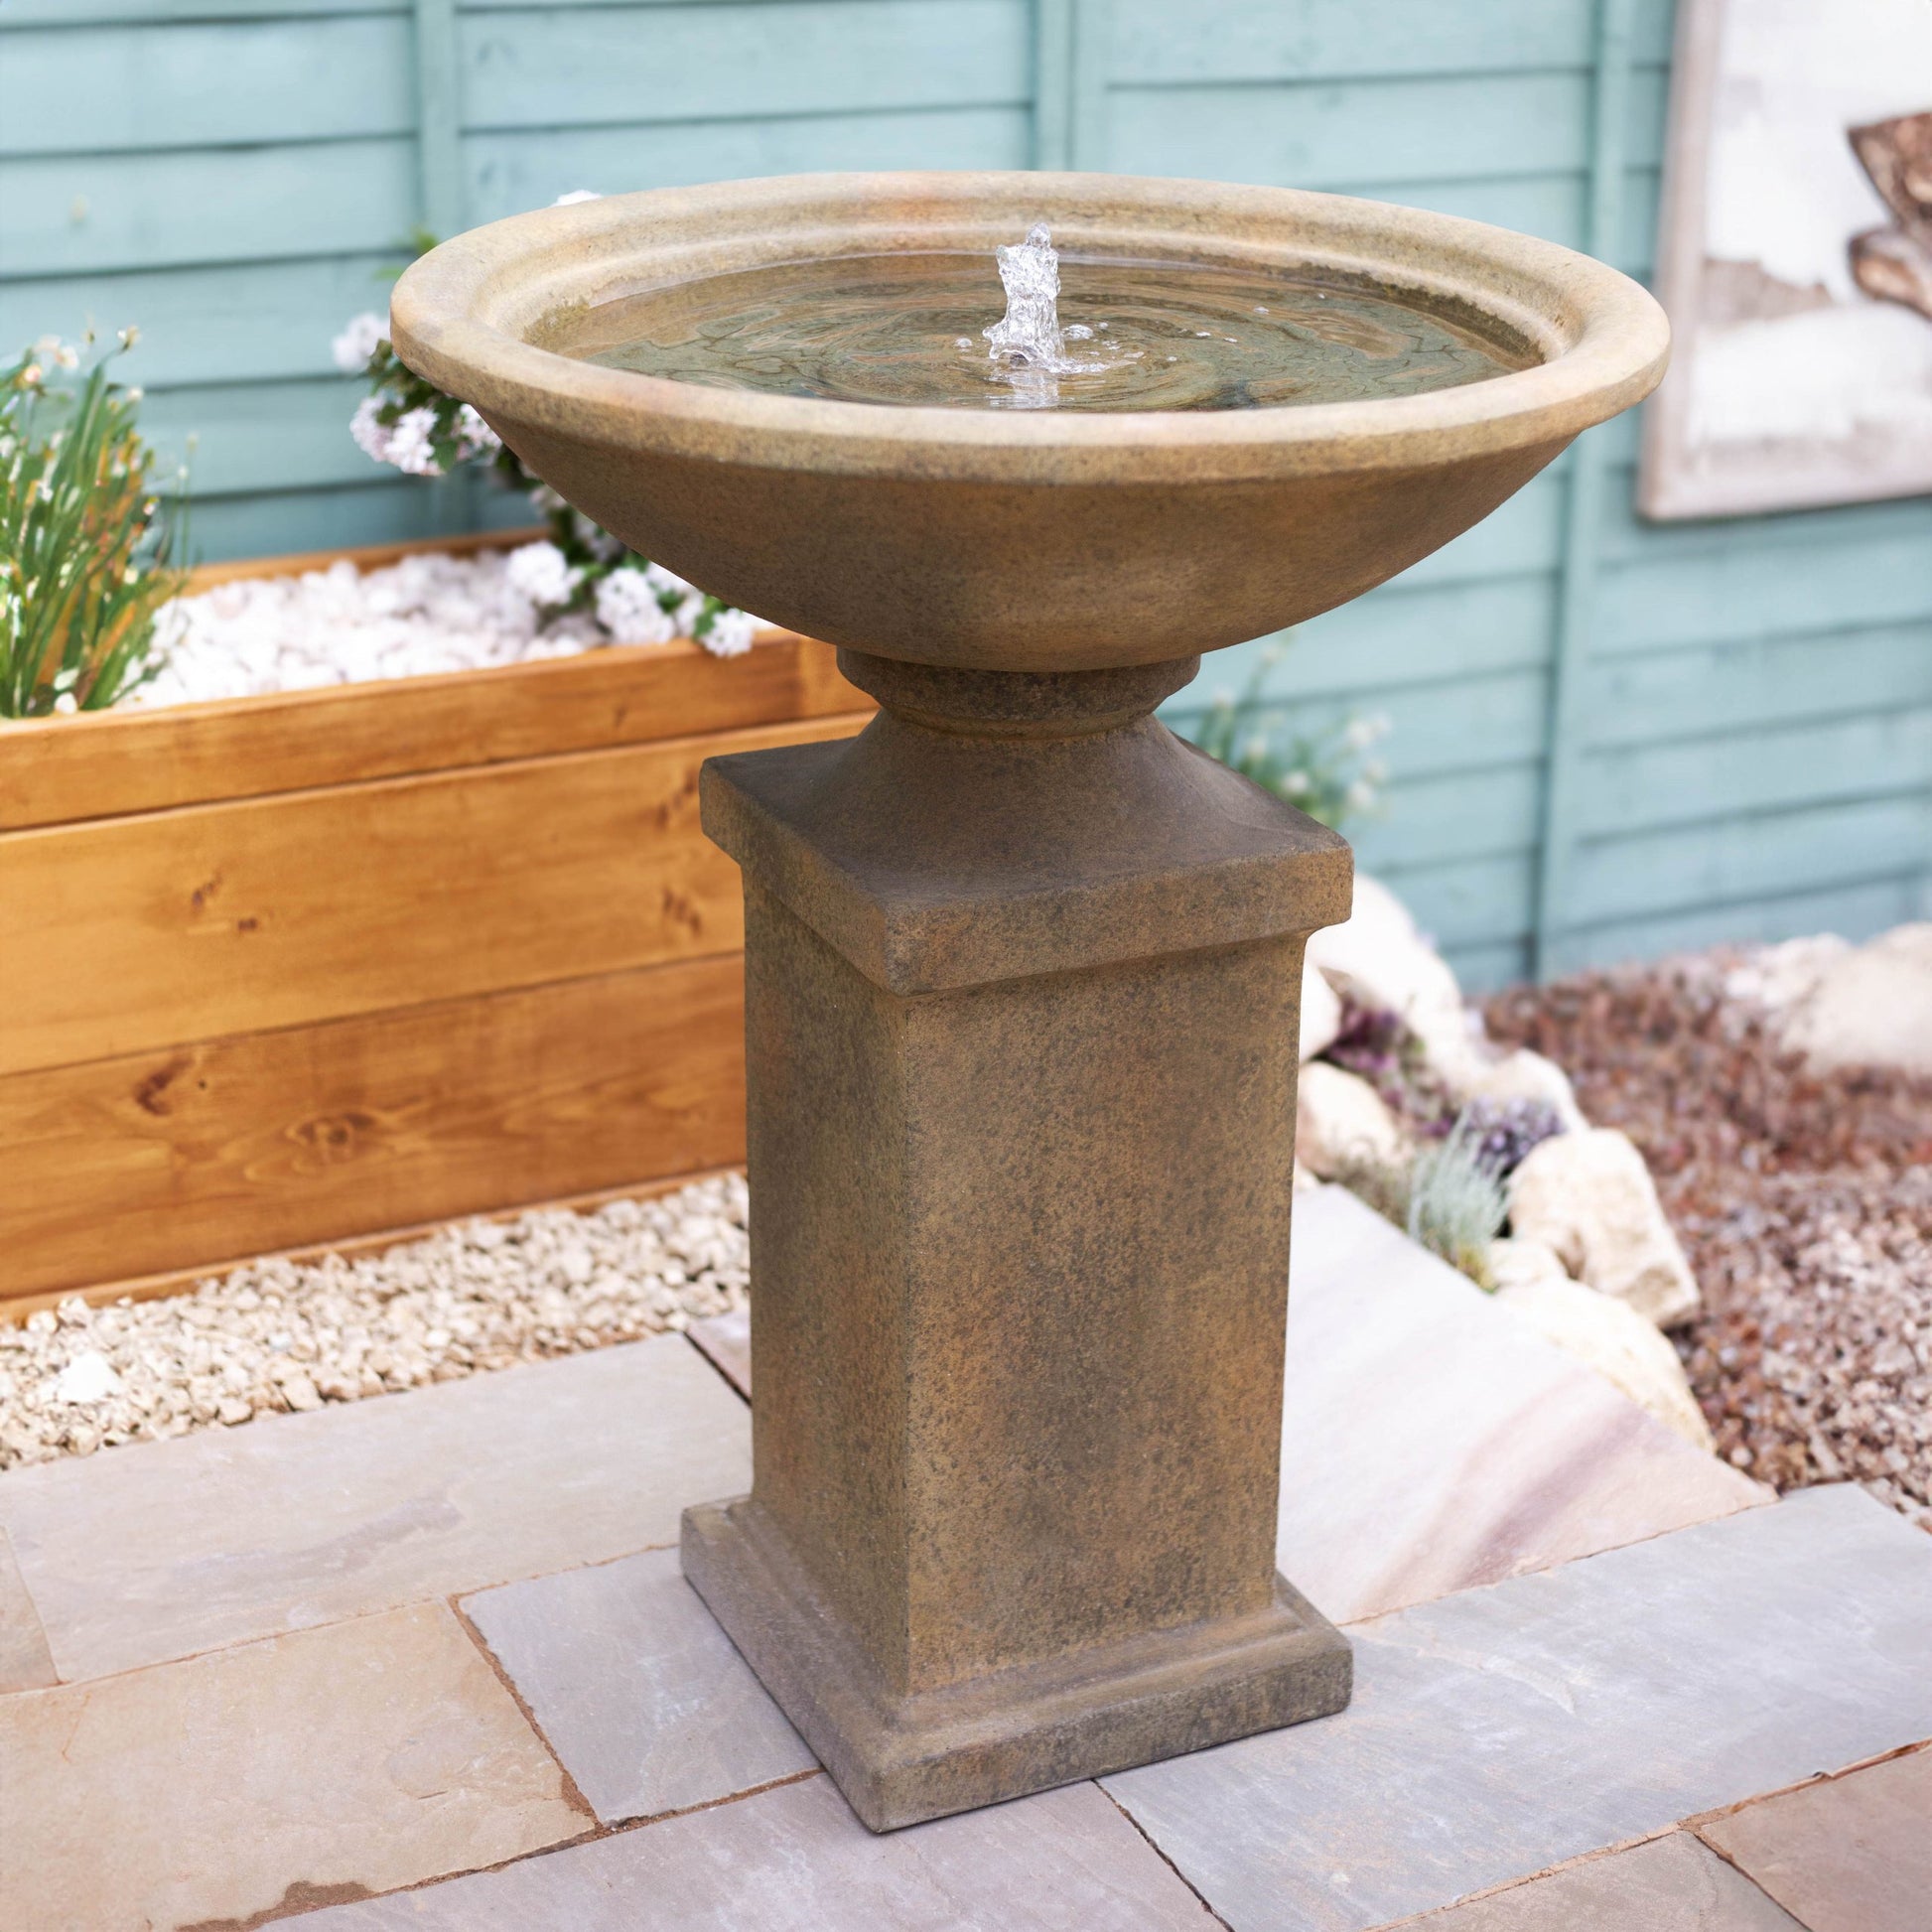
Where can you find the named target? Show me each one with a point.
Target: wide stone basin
(1021, 540)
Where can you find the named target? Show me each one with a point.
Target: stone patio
(427, 1661)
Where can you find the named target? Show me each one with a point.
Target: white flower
(409, 444)
(541, 572)
(405, 443)
(575, 196)
(627, 607)
(1297, 785)
(474, 436)
(1359, 796)
(354, 349)
(689, 612)
(370, 436)
(1364, 731)
(731, 633)
(667, 581)
(1257, 747)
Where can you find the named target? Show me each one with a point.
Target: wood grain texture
(61, 770)
(132, 934)
(185, 1157)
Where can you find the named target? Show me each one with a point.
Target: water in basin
(927, 328)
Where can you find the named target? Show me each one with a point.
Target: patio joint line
(1698, 1820)
(717, 1371)
(1149, 1842)
(573, 1795)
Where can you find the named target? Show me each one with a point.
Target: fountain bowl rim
(462, 316)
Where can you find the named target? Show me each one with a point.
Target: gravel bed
(278, 1336)
(1804, 1202)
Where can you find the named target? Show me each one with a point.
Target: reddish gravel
(1804, 1202)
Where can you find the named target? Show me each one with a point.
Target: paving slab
(1670, 1884)
(1851, 1855)
(640, 1693)
(160, 1550)
(795, 1860)
(1433, 1442)
(726, 1340)
(327, 1764)
(26, 1663)
(1505, 1730)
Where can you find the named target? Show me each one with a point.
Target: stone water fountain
(1021, 966)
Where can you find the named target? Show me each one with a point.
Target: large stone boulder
(1341, 1122)
(1378, 958)
(1528, 1075)
(1870, 1007)
(1320, 1012)
(1590, 1198)
(1611, 1337)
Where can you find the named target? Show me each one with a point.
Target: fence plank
(1859, 908)
(206, 85)
(75, 214)
(1767, 855)
(507, 173)
(1754, 683)
(238, 322)
(732, 60)
(1157, 43)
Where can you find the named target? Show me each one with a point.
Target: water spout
(1027, 345)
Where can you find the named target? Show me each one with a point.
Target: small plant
(1456, 1202)
(413, 425)
(1327, 775)
(85, 552)
(1448, 1197)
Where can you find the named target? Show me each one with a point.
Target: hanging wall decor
(1795, 259)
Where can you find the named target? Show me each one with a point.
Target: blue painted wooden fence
(1611, 738)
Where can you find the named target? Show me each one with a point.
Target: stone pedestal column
(1021, 972)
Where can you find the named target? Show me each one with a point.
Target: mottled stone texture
(1021, 973)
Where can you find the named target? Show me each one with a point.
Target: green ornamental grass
(85, 549)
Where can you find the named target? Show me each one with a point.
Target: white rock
(1611, 1337)
(89, 1377)
(429, 612)
(1378, 958)
(1778, 977)
(1528, 1075)
(1872, 1007)
(1340, 1121)
(1588, 1196)
(1320, 1012)
(1513, 1261)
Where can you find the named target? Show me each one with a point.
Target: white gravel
(279, 1335)
(430, 613)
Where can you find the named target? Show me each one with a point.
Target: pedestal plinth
(1021, 972)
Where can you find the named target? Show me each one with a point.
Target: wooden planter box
(287, 970)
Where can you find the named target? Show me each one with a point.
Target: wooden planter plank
(210, 920)
(296, 970)
(187, 1156)
(59, 771)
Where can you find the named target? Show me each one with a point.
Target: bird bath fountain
(1021, 968)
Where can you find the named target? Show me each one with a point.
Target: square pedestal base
(902, 1759)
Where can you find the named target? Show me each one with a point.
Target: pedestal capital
(935, 859)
